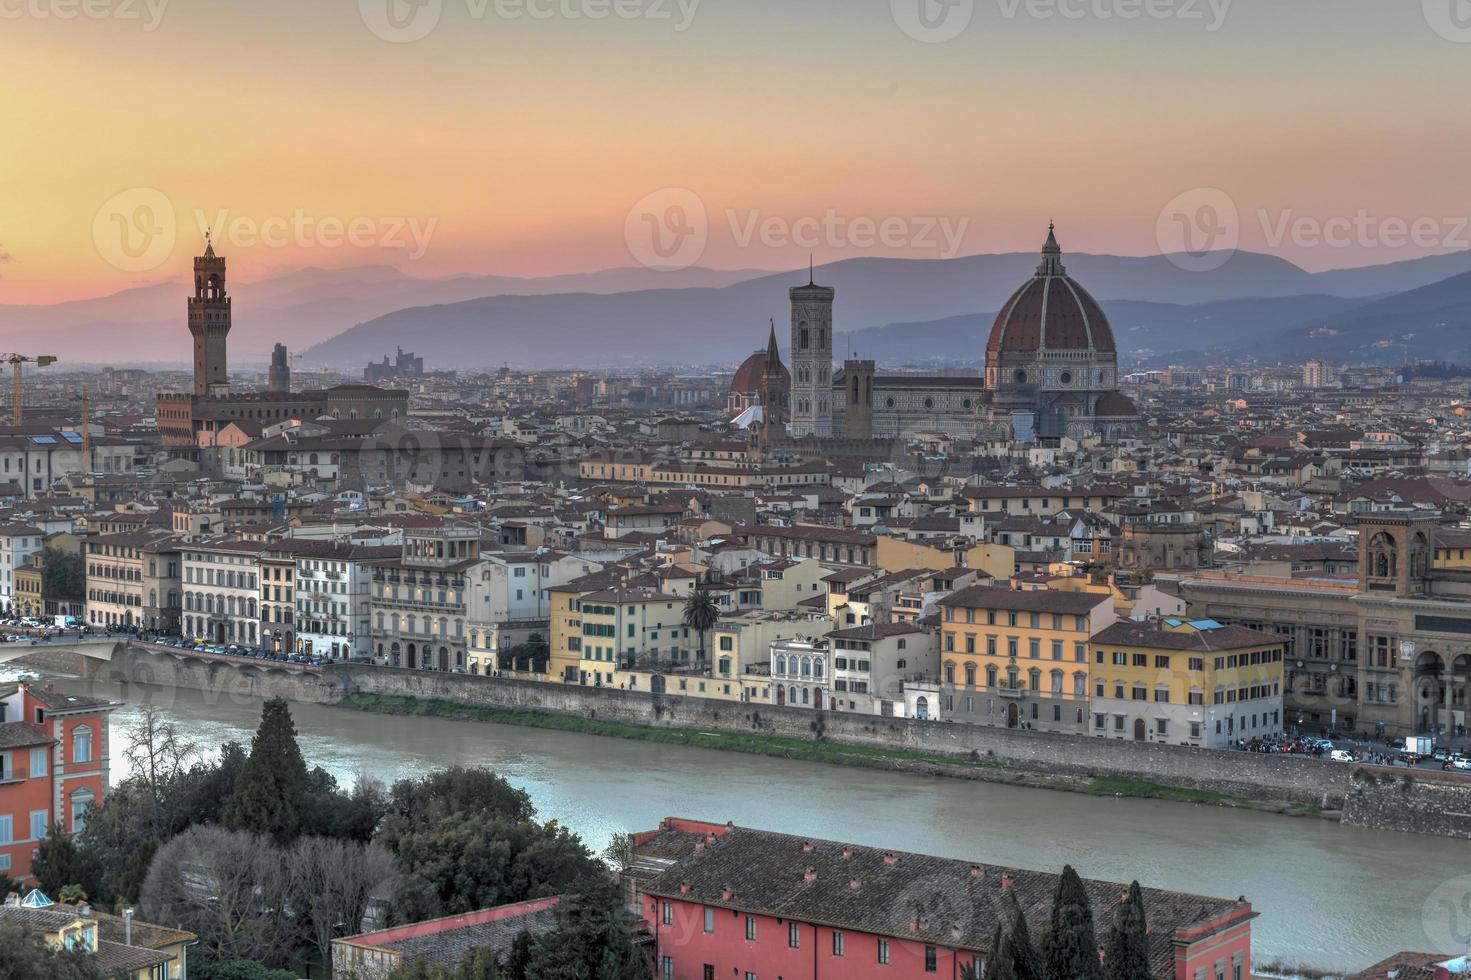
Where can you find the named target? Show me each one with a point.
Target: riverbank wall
(1386, 799)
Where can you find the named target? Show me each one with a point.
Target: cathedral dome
(750, 377)
(1050, 312)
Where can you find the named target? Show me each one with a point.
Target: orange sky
(517, 145)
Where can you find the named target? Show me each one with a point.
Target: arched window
(806, 667)
(781, 664)
(970, 675)
(817, 668)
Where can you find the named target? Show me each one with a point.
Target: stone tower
(812, 359)
(858, 399)
(209, 324)
(774, 389)
(279, 378)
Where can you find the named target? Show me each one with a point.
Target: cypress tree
(1027, 962)
(1070, 951)
(1127, 951)
(1003, 962)
(271, 791)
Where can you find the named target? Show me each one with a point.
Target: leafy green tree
(1070, 951)
(273, 787)
(701, 613)
(236, 970)
(1126, 954)
(593, 940)
(59, 863)
(63, 575)
(416, 804)
(25, 955)
(468, 862)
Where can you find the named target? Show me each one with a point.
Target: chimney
(847, 851)
(891, 859)
(684, 888)
(809, 876)
(127, 927)
(806, 847)
(855, 884)
(1006, 882)
(726, 894)
(976, 871)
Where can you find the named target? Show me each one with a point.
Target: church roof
(1051, 311)
(750, 377)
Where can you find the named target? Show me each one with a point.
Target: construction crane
(18, 412)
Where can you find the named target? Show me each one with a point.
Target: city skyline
(507, 142)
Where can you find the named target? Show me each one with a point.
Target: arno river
(1328, 895)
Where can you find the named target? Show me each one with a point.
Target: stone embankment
(1366, 796)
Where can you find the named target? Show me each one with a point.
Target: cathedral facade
(1051, 371)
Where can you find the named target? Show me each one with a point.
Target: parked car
(1342, 755)
(1463, 765)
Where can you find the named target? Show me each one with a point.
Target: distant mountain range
(147, 323)
(894, 310)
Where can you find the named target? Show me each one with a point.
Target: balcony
(1008, 691)
(10, 776)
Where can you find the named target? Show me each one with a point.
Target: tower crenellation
(209, 324)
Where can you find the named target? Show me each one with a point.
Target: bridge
(96, 650)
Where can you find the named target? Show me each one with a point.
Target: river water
(1330, 896)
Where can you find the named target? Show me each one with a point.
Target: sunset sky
(518, 145)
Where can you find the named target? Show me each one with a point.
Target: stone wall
(1428, 802)
(1282, 778)
(1417, 803)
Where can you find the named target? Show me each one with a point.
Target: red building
(721, 902)
(53, 767)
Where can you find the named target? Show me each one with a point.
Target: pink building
(729, 902)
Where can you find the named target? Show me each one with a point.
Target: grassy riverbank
(809, 750)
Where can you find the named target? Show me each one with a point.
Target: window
(837, 943)
(81, 745)
(930, 959)
(38, 824)
(668, 915)
(794, 935)
(709, 920)
(750, 927)
(666, 966)
(7, 829)
(38, 762)
(883, 951)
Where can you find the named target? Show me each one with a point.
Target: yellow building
(28, 583)
(1018, 659)
(1186, 682)
(120, 948)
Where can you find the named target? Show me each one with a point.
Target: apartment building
(1015, 659)
(222, 591)
(18, 542)
(421, 598)
(1186, 682)
(134, 578)
(53, 767)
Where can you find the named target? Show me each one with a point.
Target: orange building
(53, 767)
